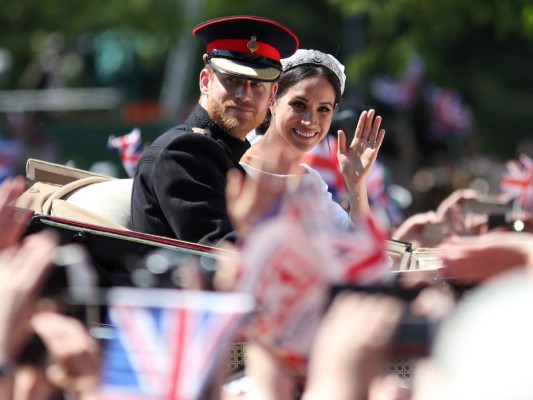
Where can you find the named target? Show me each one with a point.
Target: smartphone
(80, 296)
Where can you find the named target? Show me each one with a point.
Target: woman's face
(302, 116)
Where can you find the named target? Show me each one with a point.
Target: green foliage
(483, 48)
(316, 23)
(27, 23)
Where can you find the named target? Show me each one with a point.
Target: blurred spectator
(484, 350)
(45, 71)
(475, 259)
(12, 222)
(116, 61)
(25, 265)
(11, 160)
(453, 217)
(351, 347)
(6, 64)
(35, 141)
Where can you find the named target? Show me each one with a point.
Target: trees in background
(481, 49)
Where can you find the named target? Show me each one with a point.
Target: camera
(502, 222)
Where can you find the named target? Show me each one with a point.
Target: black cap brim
(245, 62)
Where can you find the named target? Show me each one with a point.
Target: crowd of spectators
(465, 323)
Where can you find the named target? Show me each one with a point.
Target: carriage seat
(110, 200)
(76, 194)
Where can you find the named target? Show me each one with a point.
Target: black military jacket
(179, 187)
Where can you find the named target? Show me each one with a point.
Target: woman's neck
(273, 156)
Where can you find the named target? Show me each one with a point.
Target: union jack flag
(450, 114)
(386, 213)
(400, 94)
(167, 342)
(284, 270)
(323, 158)
(358, 256)
(130, 148)
(288, 263)
(517, 182)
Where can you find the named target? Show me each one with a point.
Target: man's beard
(236, 127)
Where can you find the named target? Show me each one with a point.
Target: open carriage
(93, 210)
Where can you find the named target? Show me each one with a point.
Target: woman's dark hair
(263, 127)
(301, 72)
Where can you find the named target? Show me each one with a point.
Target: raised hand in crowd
(457, 220)
(73, 353)
(388, 387)
(471, 260)
(249, 198)
(24, 267)
(267, 378)
(451, 218)
(356, 160)
(351, 346)
(23, 270)
(418, 230)
(13, 222)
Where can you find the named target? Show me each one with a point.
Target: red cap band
(241, 46)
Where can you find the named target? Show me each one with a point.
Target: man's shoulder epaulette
(194, 129)
(203, 131)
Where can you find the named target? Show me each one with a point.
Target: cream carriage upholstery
(110, 199)
(76, 194)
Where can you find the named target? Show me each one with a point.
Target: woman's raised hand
(356, 161)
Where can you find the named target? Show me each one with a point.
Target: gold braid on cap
(315, 57)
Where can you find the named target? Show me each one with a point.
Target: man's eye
(230, 79)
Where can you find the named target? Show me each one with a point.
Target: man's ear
(205, 78)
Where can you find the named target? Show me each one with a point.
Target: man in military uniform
(179, 188)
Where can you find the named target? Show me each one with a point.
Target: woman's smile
(306, 135)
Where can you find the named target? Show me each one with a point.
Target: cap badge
(252, 44)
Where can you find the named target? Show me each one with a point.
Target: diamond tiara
(315, 57)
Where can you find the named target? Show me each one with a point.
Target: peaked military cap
(247, 47)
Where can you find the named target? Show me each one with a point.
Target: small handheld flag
(167, 342)
(130, 149)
